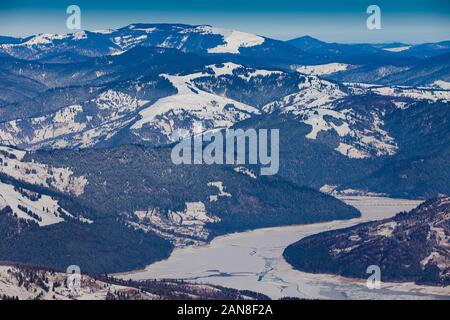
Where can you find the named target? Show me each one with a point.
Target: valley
(254, 260)
(89, 121)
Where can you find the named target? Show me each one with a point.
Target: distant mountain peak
(306, 38)
(307, 43)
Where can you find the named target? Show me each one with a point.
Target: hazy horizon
(410, 22)
(295, 37)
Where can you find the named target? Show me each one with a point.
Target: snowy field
(253, 260)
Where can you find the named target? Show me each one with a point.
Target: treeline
(29, 212)
(5, 297)
(180, 290)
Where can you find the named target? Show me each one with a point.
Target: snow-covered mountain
(200, 39)
(118, 100)
(112, 111)
(191, 106)
(15, 165)
(28, 283)
(324, 106)
(358, 52)
(87, 121)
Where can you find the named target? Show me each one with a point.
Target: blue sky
(410, 21)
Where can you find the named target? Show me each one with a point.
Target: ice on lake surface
(253, 261)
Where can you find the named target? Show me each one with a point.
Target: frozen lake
(253, 261)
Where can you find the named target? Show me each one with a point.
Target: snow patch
(18, 282)
(79, 35)
(397, 49)
(216, 111)
(417, 93)
(385, 229)
(182, 228)
(44, 38)
(441, 84)
(104, 31)
(128, 41)
(222, 193)
(245, 171)
(146, 30)
(322, 69)
(225, 68)
(32, 206)
(351, 152)
(62, 179)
